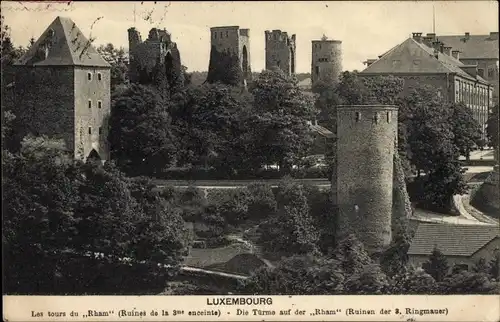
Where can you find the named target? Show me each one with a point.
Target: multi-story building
(280, 51)
(426, 60)
(62, 90)
(326, 64)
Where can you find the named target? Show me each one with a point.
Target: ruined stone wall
(92, 110)
(326, 64)
(364, 172)
(280, 51)
(44, 101)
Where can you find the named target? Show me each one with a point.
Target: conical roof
(62, 44)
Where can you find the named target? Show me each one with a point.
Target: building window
(491, 72)
(90, 103)
(90, 130)
(358, 116)
(99, 104)
(89, 76)
(99, 77)
(480, 72)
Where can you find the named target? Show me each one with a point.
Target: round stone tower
(365, 145)
(326, 62)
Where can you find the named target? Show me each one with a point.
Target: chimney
(417, 36)
(368, 62)
(447, 50)
(456, 54)
(437, 47)
(427, 41)
(431, 35)
(494, 35)
(467, 36)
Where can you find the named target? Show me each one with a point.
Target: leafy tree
(495, 266)
(291, 231)
(231, 204)
(297, 275)
(117, 59)
(417, 282)
(468, 283)
(466, 130)
(370, 280)
(224, 67)
(140, 135)
(262, 203)
(280, 114)
(492, 127)
(437, 265)
(394, 260)
(482, 266)
(352, 255)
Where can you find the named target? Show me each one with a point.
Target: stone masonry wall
(326, 62)
(280, 51)
(364, 167)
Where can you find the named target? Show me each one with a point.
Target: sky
(366, 29)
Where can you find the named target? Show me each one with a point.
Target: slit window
(90, 130)
(227, 34)
(90, 103)
(99, 104)
(99, 76)
(389, 117)
(358, 116)
(100, 130)
(89, 76)
(215, 35)
(375, 117)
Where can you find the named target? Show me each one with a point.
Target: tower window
(99, 104)
(90, 103)
(89, 76)
(100, 130)
(376, 117)
(227, 34)
(221, 34)
(215, 35)
(90, 129)
(317, 70)
(358, 116)
(99, 76)
(389, 117)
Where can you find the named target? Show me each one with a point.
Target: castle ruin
(229, 56)
(326, 64)
(280, 51)
(156, 60)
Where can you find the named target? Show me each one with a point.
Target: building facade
(427, 60)
(326, 64)
(62, 89)
(280, 51)
(365, 146)
(229, 55)
(154, 59)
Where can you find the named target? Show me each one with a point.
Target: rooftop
(473, 46)
(452, 240)
(62, 44)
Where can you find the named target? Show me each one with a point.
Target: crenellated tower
(229, 55)
(280, 51)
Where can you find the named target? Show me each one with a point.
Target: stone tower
(280, 51)
(326, 64)
(63, 87)
(365, 145)
(229, 56)
(157, 56)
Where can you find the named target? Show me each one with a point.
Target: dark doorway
(93, 156)
(292, 61)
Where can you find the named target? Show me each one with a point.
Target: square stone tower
(62, 90)
(280, 51)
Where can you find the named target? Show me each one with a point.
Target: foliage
(116, 58)
(231, 204)
(291, 231)
(492, 127)
(482, 266)
(437, 265)
(495, 266)
(417, 281)
(224, 67)
(76, 224)
(394, 260)
(261, 203)
(140, 135)
(468, 283)
(351, 254)
(466, 130)
(369, 281)
(306, 275)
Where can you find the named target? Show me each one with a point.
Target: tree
(262, 203)
(280, 114)
(140, 133)
(291, 231)
(297, 275)
(417, 281)
(468, 283)
(492, 127)
(437, 265)
(370, 281)
(225, 68)
(351, 254)
(116, 58)
(495, 266)
(466, 130)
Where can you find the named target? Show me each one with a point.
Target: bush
(231, 204)
(261, 201)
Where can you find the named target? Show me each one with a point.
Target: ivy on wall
(224, 67)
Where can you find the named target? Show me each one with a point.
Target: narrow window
(491, 72)
(376, 117)
(317, 70)
(90, 103)
(389, 117)
(221, 34)
(99, 104)
(89, 76)
(215, 35)
(90, 130)
(358, 116)
(227, 34)
(99, 76)
(100, 130)
(480, 72)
